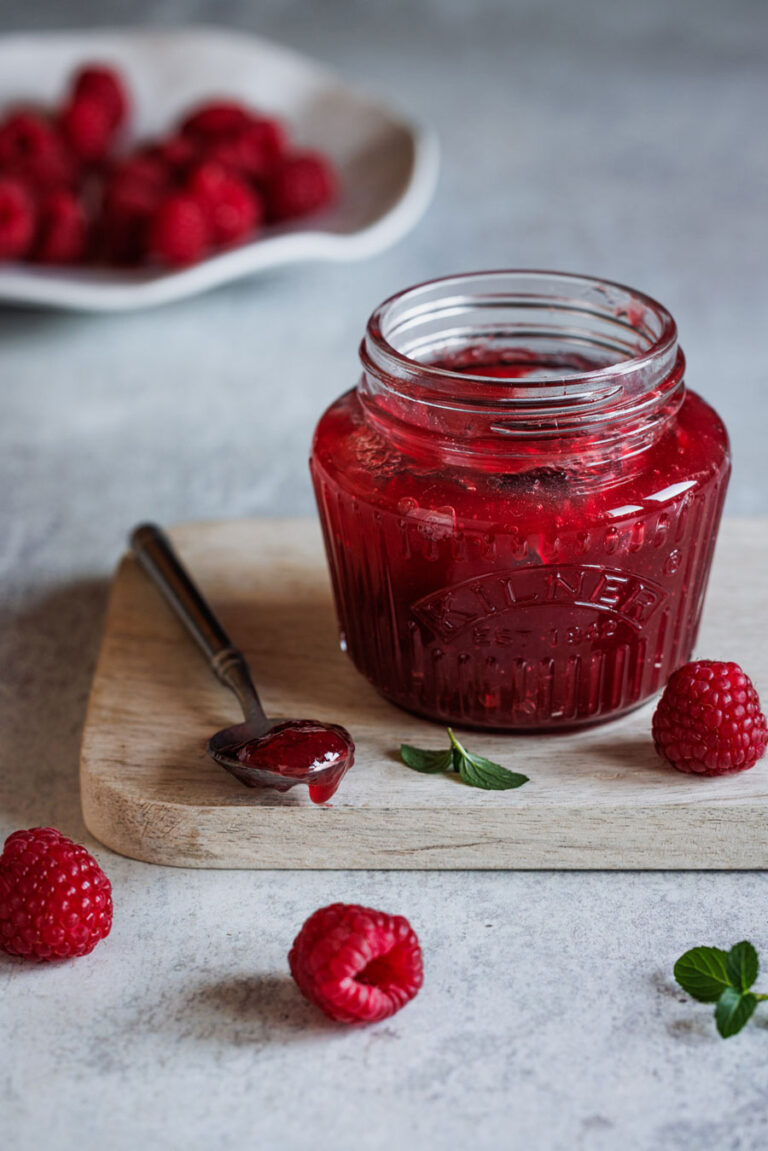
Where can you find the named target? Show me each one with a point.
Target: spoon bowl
(317, 754)
(260, 752)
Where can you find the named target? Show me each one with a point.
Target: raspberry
(55, 901)
(253, 150)
(708, 720)
(233, 211)
(302, 183)
(356, 964)
(87, 128)
(62, 231)
(178, 232)
(178, 153)
(31, 149)
(146, 167)
(215, 118)
(104, 86)
(131, 200)
(17, 219)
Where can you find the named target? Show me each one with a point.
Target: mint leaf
(480, 772)
(421, 759)
(742, 966)
(722, 977)
(733, 1011)
(474, 770)
(702, 972)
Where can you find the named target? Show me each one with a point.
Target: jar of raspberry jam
(520, 500)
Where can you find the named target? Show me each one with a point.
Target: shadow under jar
(520, 500)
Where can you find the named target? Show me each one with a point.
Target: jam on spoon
(304, 749)
(259, 752)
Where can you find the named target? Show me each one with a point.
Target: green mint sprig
(723, 978)
(474, 770)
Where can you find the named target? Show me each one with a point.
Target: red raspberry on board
(31, 149)
(103, 85)
(17, 219)
(62, 229)
(709, 721)
(55, 901)
(179, 232)
(300, 184)
(86, 126)
(233, 210)
(356, 964)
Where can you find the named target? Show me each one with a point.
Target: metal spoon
(259, 741)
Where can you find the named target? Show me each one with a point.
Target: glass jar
(519, 500)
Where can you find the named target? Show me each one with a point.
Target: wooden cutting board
(599, 798)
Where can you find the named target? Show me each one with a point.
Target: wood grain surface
(598, 798)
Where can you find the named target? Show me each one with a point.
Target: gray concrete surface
(626, 140)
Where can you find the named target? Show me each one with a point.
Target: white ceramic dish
(388, 166)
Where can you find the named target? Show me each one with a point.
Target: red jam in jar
(520, 500)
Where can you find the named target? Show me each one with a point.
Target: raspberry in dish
(302, 183)
(32, 149)
(62, 233)
(214, 119)
(88, 129)
(232, 208)
(103, 85)
(708, 721)
(18, 219)
(179, 233)
(177, 153)
(356, 964)
(138, 205)
(55, 901)
(253, 151)
(147, 167)
(129, 207)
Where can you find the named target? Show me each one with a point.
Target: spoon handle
(155, 553)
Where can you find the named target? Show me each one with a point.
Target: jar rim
(660, 351)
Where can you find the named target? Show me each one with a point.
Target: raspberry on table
(356, 964)
(62, 232)
(300, 184)
(708, 721)
(104, 86)
(233, 210)
(179, 232)
(55, 901)
(17, 219)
